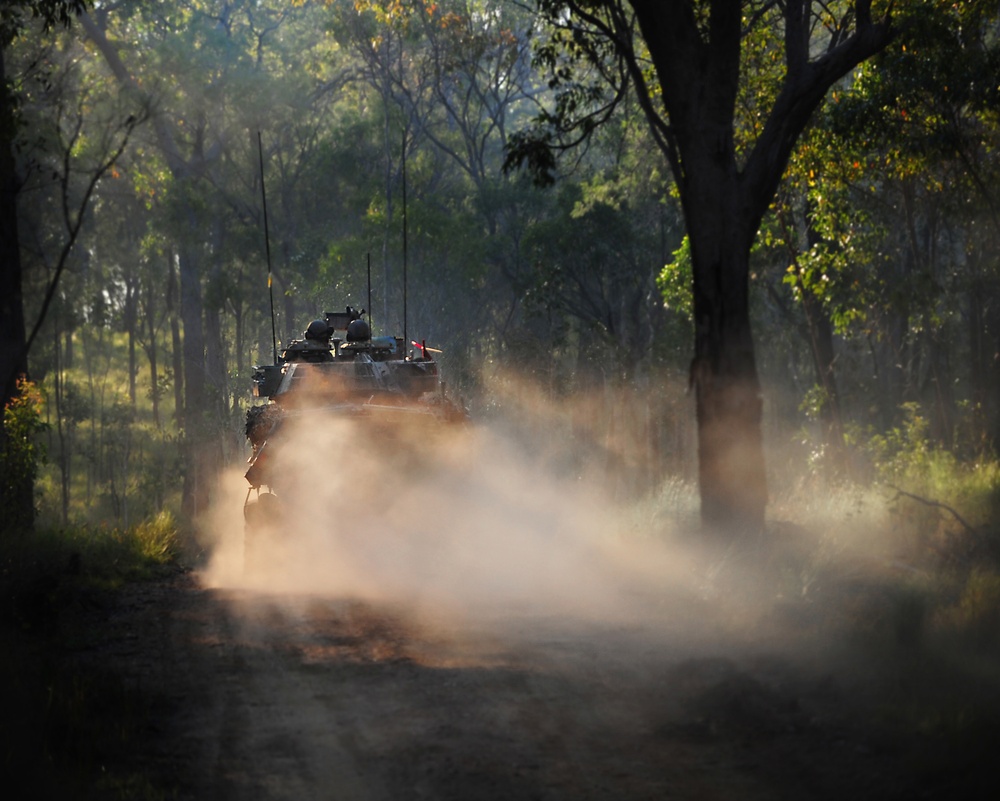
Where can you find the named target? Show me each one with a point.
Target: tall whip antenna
(406, 342)
(267, 246)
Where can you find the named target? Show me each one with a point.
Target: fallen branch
(937, 505)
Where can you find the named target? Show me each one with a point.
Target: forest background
(874, 287)
(135, 144)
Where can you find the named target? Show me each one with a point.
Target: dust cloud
(519, 514)
(466, 519)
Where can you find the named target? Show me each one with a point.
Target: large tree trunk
(13, 356)
(17, 493)
(724, 374)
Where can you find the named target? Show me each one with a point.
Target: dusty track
(305, 697)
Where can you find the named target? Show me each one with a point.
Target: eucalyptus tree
(684, 61)
(218, 73)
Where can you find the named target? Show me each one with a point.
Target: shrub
(20, 457)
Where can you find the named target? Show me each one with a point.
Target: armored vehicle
(338, 368)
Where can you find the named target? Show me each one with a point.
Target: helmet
(358, 331)
(318, 330)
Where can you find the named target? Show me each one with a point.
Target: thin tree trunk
(215, 354)
(130, 313)
(175, 342)
(984, 346)
(195, 488)
(154, 381)
(820, 331)
(193, 344)
(64, 446)
(68, 351)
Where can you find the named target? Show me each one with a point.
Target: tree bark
(13, 356)
(196, 479)
(131, 318)
(724, 376)
(17, 494)
(154, 379)
(820, 331)
(176, 347)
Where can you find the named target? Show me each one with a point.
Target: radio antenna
(267, 246)
(405, 340)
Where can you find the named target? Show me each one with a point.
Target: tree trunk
(216, 371)
(131, 317)
(175, 341)
(61, 430)
(13, 357)
(724, 369)
(193, 345)
(984, 345)
(728, 401)
(154, 380)
(195, 487)
(17, 498)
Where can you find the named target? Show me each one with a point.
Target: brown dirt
(258, 696)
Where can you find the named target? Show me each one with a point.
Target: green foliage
(22, 422)
(814, 401)
(14, 15)
(109, 462)
(157, 539)
(586, 80)
(100, 556)
(883, 227)
(674, 283)
(21, 456)
(905, 451)
(927, 483)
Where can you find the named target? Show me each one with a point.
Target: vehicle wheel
(261, 519)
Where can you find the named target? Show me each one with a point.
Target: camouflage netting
(261, 421)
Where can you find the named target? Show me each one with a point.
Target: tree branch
(936, 505)
(74, 224)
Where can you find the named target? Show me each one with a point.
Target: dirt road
(261, 696)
